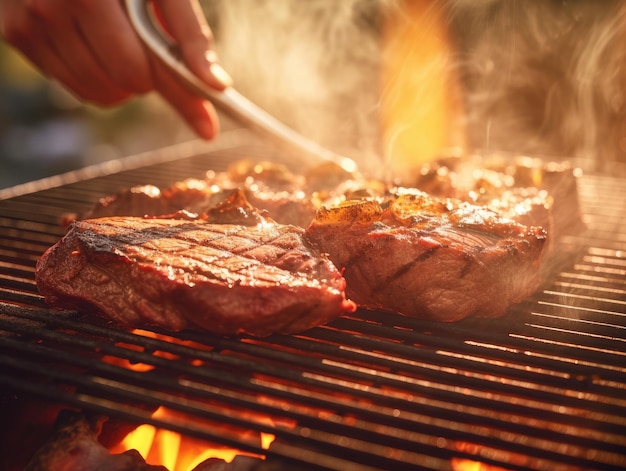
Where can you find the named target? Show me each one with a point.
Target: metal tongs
(229, 101)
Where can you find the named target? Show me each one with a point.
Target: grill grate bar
(149, 380)
(541, 388)
(345, 372)
(301, 453)
(395, 353)
(17, 262)
(203, 410)
(513, 351)
(118, 409)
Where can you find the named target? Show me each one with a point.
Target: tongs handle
(230, 101)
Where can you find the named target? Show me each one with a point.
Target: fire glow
(178, 452)
(160, 446)
(420, 99)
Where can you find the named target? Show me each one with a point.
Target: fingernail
(210, 56)
(221, 75)
(215, 72)
(208, 122)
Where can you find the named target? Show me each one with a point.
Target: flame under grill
(544, 387)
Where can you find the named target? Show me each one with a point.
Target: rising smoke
(544, 77)
(537, 77)
(313, 64)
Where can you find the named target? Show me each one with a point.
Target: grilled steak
(475, 250)
(430, 258)
(268, 187)
(223, 278)
(196, 196)
(528, 190)
(285, 197)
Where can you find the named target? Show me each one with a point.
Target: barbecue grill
(543, 387)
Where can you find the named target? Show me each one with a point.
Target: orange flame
(421, 105)
(163, 447)
(178, 452)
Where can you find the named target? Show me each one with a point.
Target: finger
(197, 112)
(24, 31)
(111, 38)
(65, 36)
(188, 26)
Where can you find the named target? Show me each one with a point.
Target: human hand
(91, 48)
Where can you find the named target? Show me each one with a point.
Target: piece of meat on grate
(430, 258)
(177, 273)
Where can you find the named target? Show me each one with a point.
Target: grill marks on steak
(175, 273)
(399, 249)
(429, 258)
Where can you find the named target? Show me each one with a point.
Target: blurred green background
(45, 131)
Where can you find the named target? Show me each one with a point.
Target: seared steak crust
(528, 190)
(430, 258)
(176, 273)
(473, 250)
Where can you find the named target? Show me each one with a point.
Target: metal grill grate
(543, 387)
